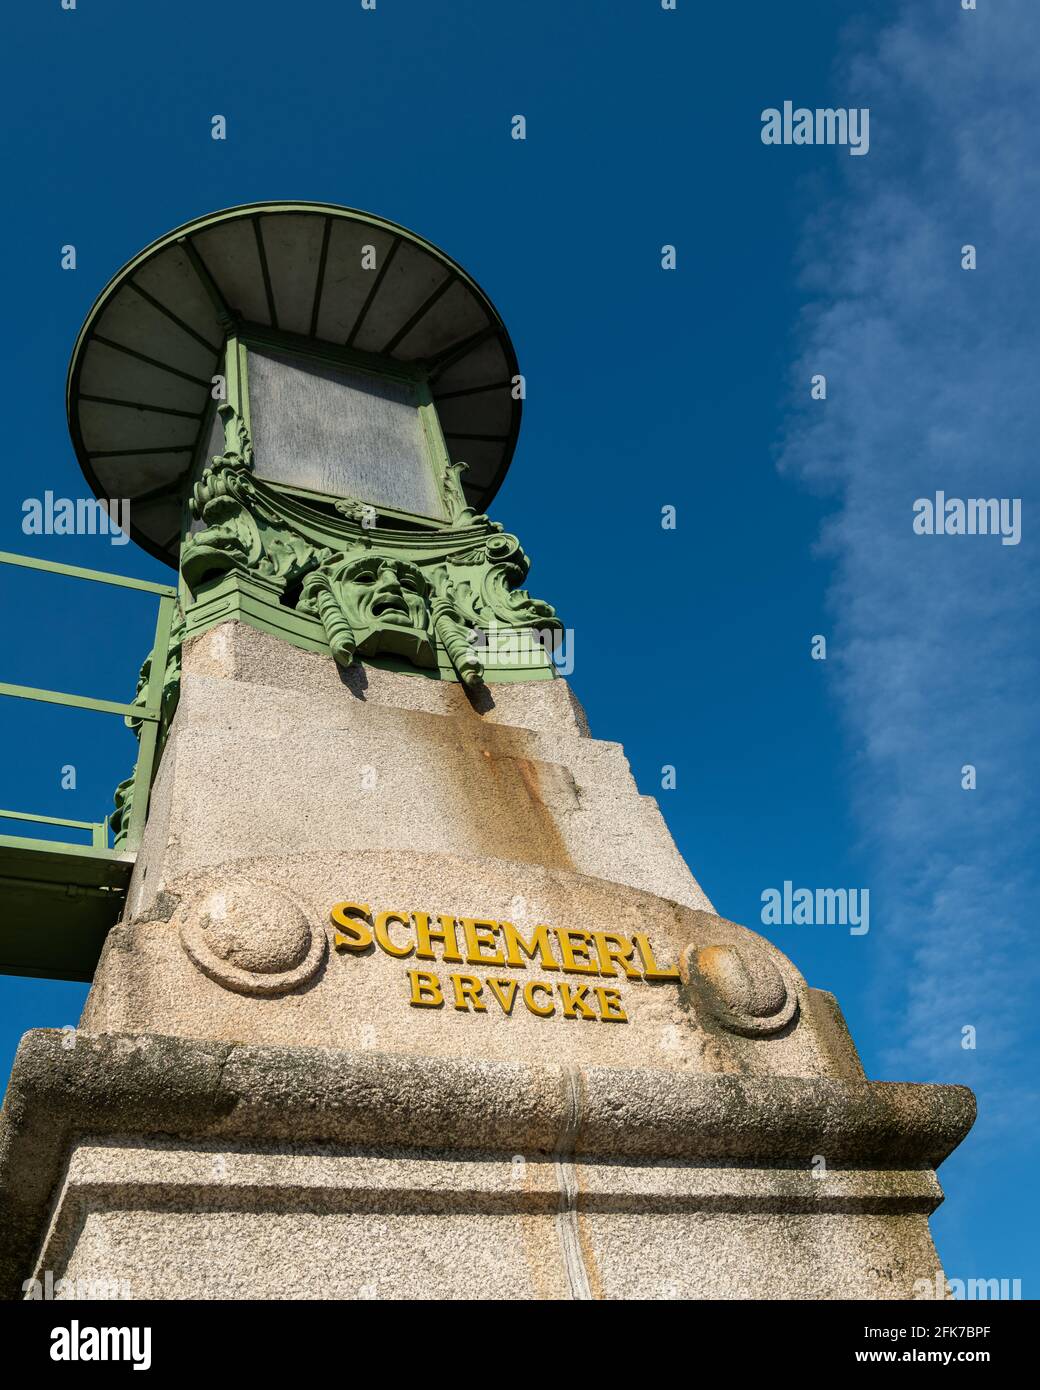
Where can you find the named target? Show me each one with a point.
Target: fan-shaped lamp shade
(350, 323)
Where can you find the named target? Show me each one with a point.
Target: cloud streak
(932, 384)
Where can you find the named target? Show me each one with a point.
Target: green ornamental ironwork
(435, 598)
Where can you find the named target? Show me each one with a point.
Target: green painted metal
(451, 590)
(158, 689)
(50, 820)
(98, 829)
(241, 400)
(58, 899)
(59, 902)
(305, 565)
(227, 321)
(389, 517)
(436, 447)
(240, 597)
(234, 375)
(224, 312)
(151, 717)
(57, 697)
(121, 581)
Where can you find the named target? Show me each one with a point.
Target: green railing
(98, 828)
(147, 708)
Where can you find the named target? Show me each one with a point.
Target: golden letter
(350, 935)
(611, 947)
(538, 945)
(383, 933)
(574, 951)
(544, 1011)
(425, 983)
(651, 970)
(426, 935)
(468, 989)
(480, 933)
(610, 1010)
(574, 1002)
(505, 992)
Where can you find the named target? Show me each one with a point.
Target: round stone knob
(251, 937)
(745, 989)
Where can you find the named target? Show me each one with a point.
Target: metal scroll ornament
(418, 595)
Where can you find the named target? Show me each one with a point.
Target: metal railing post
(152, 713)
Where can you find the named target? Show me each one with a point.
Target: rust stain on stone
(527, 827)
(588, 1252)
(510, 801)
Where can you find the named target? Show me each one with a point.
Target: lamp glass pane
(336, 431)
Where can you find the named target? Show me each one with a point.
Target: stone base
(178, 1168)
(290, 1082)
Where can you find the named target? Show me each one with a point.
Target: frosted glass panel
(340, 432)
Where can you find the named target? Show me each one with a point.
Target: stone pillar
(415, 997)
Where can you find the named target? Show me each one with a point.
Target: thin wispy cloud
(932, 374)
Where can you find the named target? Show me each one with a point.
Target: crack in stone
(567, 1177)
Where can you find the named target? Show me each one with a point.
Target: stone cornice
(69, 1084)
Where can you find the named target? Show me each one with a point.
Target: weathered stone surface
(249, 1111)
(296, 760)
(283, 1222)
(251, 937)
(237, 652)
(555, 1170)
(146, 981)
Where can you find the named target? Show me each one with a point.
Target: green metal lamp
(308, 409)
(305, 411)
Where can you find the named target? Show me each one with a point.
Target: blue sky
(646, 388)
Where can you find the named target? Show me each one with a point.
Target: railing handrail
(98, 828)
(146, 713)
(51, 820)
(8, 557)
(58, 697)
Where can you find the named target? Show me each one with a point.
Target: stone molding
(66, 1084)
